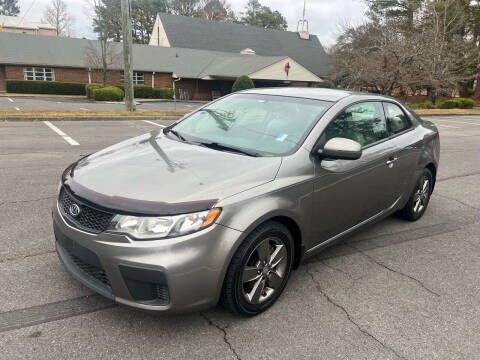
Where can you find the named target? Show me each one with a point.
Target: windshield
(265, 124)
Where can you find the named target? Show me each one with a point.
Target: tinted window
(269, 124)
(364, 122)
(397, 120)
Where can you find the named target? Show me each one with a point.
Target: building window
(138, 78)
(39, 73)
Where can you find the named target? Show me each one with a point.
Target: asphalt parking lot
(396, 290)
(81, 104)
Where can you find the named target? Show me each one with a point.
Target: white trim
(159, 35)
(257, 75)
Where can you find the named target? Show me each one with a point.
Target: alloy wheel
(421, 195)
(264, 270)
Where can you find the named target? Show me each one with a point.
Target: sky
(325, 17)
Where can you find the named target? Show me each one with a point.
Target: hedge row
(460, 103)
(109, 93)
(147, 92)
(45, 87)
(424, 105)
(326, 84)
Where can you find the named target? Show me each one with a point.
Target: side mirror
(341, 148)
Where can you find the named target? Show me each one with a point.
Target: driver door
(347, 192)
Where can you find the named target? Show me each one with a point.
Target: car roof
(310, 93)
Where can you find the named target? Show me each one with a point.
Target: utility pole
(127, 54)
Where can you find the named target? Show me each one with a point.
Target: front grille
(89, 219)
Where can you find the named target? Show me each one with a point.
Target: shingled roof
(197, 33)
(25, 49)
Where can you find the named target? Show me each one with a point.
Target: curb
(171, 101)
(86, 118)
(427, 115)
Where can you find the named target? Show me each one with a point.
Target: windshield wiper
(176, 133)
(223, 147)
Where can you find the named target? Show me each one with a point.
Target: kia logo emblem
(74, 210)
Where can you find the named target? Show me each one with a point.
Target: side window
(396, 118)
(364, 123)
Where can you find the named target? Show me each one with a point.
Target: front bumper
(178, 274)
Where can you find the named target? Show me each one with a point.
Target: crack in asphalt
(459, 201)
(379, 263)
(225, 335)
(324, 263)
(405, 236)
(21, 257)
(26, 201)
(349, 317)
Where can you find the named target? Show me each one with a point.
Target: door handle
(391, 161)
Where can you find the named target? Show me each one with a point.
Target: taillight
(437, 134)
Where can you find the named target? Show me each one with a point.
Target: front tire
(259, 270)
(419, 199)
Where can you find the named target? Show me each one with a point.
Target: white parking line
(65, 137)
(17, 108)
(84, 109)
(448, 126)
(151, 122)
(459, 122)
(11, 100)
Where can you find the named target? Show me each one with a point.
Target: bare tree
(57, 15)
(431, 49)
(447, 59)
(101, 57)
(105, 54)
(375, 57)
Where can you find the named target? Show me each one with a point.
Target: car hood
(153, 174)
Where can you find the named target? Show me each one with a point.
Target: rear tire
(419, 199)
(259, 270)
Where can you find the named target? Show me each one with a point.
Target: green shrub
(109, 93)
(242, 83)
(463, 103)
(447, 104)
(162, 93)
(143, 92)
(89, 89)
(425, 105)
(45, 87)
(326, 84)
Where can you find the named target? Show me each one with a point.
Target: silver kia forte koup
(222, 205)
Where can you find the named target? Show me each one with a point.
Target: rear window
(397, 120)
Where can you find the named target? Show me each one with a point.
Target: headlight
(146, 228)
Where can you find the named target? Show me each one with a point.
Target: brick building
(200, 74)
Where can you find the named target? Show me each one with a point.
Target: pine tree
(9, 7)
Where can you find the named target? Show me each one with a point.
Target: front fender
(244, 213)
